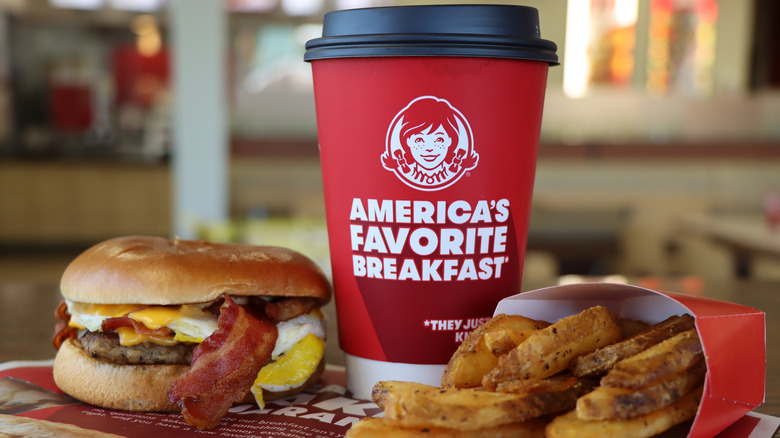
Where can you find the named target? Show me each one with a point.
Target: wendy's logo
(429, 144)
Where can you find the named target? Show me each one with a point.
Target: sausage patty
(106, 347)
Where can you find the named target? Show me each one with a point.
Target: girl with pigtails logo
(429, 144)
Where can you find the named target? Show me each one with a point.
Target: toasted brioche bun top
(154, 270)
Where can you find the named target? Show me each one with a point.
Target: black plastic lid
(494, 31)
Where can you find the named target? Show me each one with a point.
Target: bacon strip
(109, 325)
(224, 366)
(62, 330)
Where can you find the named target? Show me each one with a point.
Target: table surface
(745, 234)
(27, 320)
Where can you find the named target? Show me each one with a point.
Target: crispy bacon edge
(62, 331)
(224, 366)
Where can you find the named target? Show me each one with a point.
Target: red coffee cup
(428, 121)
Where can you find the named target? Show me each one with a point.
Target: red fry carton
(733, 338)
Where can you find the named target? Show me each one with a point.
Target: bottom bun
(139, 388)
(114, 386)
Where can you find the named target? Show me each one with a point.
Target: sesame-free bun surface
(155, 270)
(141, 388)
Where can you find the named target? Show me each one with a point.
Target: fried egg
(190, 322)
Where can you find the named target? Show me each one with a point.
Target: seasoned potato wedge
(474, 409)
(588, 375)
(653, 423)
(501, 342)
(551, 350)
(632, 327)
(601, 360)
(381, 389)
(389, 428)
(658, 362)
(554, 384)
(605, 403)
(474, 357)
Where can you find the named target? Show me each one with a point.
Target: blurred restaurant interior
(659, 162)
(659, 155)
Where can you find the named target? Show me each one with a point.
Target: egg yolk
(290, 370)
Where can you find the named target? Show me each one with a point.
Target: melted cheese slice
(128, 337)
(190, 322)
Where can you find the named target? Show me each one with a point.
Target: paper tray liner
(733, 338)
